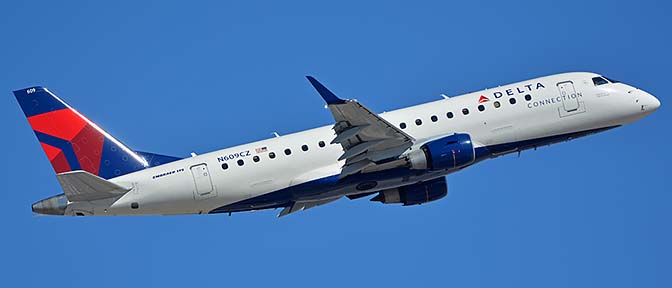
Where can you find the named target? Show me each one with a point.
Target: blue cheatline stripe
(36, 101)
(64, 145)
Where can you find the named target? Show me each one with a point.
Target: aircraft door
(570, 99)
(203, 183)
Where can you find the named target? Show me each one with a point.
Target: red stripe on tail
(88, 146)
(64, 124)
(56, 157)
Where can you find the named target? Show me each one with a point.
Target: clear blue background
(174, 78)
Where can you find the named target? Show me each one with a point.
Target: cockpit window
(599, 81)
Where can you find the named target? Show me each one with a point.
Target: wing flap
(305, 205)
(348, 133)
(356, 167)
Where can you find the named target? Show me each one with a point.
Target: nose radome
(652, 103)
(656, 102)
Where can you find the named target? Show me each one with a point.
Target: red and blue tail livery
(71, 141)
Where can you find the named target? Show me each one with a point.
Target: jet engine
(448, 153)
(414, 194)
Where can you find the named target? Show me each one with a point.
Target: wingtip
(327, 95)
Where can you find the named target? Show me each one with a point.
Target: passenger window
(321, 144)
(528, 97)
(225, 166)
(434, 118)
(418, 122)
(512, 100)
(255, 158)
(449, 115)
(465, 111)
(271, 155)
(288, 151)
(402, 125)
(497, 104)
(599, 81)
(481, 108)
(304, 147)
(241, 162)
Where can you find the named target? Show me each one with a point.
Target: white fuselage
(557, 105)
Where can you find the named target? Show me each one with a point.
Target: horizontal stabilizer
(84, 186)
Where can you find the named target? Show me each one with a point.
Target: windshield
(599, 81)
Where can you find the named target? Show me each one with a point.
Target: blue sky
(174, 78)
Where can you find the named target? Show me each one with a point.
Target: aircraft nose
(656, 103)
(651, 103)
(647, 102)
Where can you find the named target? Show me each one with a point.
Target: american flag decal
(261, 149)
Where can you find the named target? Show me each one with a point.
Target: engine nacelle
(450, 152)
(414, 194)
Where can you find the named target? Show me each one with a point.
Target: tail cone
(51, 206)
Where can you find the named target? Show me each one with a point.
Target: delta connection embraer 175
(401, 156)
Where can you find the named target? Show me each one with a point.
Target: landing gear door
(570, 99)
(203, 187)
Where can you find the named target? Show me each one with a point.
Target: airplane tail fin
(71, 141)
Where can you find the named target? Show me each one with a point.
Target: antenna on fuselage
(276, 134)
(444, 96)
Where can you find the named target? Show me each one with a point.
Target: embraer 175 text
(402, 156)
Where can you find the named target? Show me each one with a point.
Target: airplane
(399, 157)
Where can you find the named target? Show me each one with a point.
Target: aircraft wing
(367, 139)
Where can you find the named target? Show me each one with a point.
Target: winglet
(329, 97)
